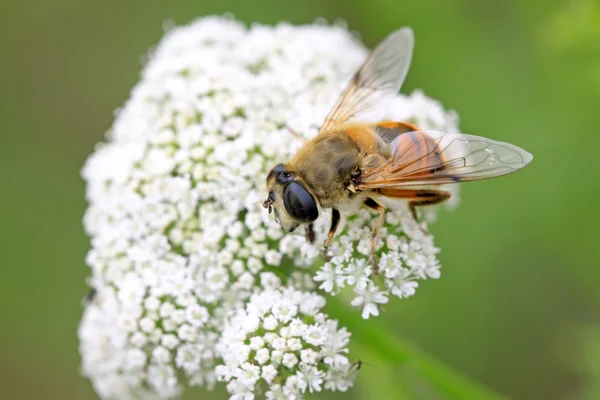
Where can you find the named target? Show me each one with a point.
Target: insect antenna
(294, 133)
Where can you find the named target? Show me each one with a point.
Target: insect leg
(294, 133)
(417, 197)
(310, 233)
(427, 199)
(335, 221)
(370, 203)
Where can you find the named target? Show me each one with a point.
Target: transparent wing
(380, 77)
(427, 157)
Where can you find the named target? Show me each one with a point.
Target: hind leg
(427, 199)
(417, 197)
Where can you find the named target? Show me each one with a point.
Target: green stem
(412, 367)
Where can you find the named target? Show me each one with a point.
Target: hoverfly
(351, 164)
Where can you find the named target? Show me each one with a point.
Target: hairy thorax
(329, 162)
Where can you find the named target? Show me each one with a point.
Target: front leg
(310, 233)
(335, 221)
(372, 204)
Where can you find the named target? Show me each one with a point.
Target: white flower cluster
(179, 240)
(282, 345)
(407, 256)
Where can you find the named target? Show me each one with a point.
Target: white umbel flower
(303, 353)
(180, 242)
(407, 254)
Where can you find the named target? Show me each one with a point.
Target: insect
(350, 164)
(89, 297)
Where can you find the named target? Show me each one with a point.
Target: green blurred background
(518, 306)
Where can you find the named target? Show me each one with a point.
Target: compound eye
(299, 203)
